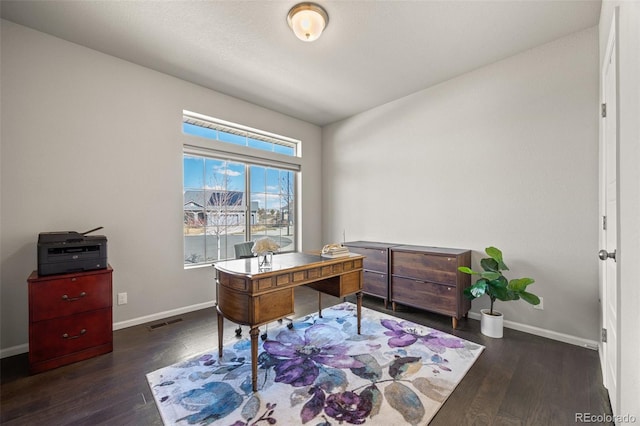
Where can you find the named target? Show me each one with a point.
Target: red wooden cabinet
(70, 317)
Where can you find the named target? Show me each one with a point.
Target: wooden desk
(249, 296)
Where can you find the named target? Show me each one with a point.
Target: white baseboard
(554, 335)
(14, 350)
(162, 315)
(20, 349)
(549, 334)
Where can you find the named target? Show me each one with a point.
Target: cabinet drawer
(434, 297)
(425, 267)
(375, 283)
(62, 336)
(375, 260)
(66, 296)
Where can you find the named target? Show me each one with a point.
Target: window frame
(201, 146)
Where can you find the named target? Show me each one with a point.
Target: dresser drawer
(70, 295)
(62, 336)
(375, 260)
(375, 283)
(425, 266)
(435, 297)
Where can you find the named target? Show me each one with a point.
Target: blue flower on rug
(297, 359)
(320, 373)
(211, 402)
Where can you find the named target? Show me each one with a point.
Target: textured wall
(90, 140)
(506, 155)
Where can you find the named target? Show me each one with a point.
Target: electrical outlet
(122, 298)
(539, 306)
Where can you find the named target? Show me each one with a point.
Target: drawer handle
(71, 299)
(66, 336)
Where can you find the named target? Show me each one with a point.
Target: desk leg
(220, 331)
(254, 357)
(359, 311)
(320, 304)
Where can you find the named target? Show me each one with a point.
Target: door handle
(604, 255)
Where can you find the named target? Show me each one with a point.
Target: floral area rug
(320, 373)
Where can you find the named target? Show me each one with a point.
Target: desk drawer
(67, 296)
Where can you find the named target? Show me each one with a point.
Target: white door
(609, 208)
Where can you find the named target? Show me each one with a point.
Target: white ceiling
(372, 52)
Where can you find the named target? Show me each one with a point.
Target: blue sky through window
(192, 129)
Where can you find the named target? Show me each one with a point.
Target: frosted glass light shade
(307, 20)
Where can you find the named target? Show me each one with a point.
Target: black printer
(66, 252)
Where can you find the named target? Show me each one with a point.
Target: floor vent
(162, 324)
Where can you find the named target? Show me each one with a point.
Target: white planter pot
(491, 325)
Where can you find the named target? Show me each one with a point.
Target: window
(232, 196)
(198, 125)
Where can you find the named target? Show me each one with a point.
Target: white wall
(506, 155)
(628, 255)
(90, 140)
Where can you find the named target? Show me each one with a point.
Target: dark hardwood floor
(520, 379)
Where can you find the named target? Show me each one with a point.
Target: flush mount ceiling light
(307, 20)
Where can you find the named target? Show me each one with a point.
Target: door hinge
(603, 110)
(604, 223)
(604, 335)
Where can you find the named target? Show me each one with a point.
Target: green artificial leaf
(499, 292)
(513, 295)
(489, 265)
(529, 297)
(520, 284)
(405, 401)
(467, 270)
(467, 293)
(496, 254)
(500, 282)
(491, 275)
(478, 289)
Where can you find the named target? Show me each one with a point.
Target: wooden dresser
(428, 278)
(376, 267)
(70, 318)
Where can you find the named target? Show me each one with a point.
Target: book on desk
(334, 250)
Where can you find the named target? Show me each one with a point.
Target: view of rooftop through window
(228, 202)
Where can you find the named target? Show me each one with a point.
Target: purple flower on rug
(348, 407)
(406, 333)
(298, 358)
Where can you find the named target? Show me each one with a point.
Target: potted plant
(495, 285)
